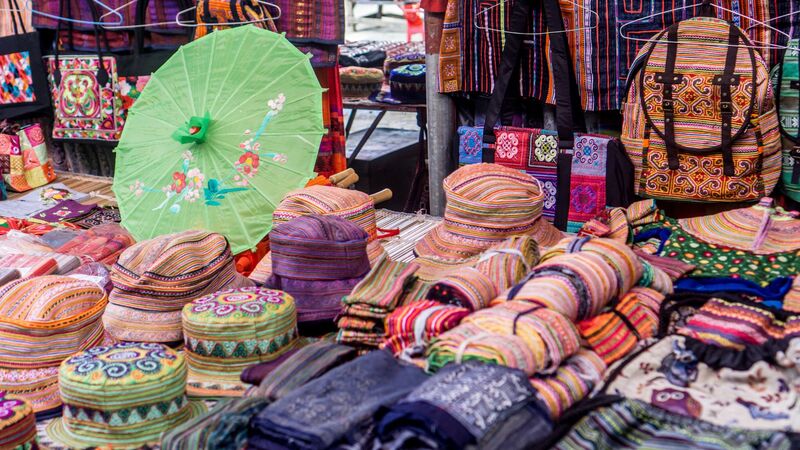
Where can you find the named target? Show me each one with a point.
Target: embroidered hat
(317, 260)
(360, 81)
(407, 83)
(487, 203)
(123, 395)
(355, 206)
(17, 423)
(43, 321)
(230, 330)
(154, 279)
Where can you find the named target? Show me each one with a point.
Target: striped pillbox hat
(154, 279)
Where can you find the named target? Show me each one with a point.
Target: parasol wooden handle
(349, 181)
(381, 196)
(338, 177)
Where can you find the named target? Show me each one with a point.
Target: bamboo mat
(412, 227)
(98, 188)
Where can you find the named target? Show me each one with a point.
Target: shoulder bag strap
(17, 23)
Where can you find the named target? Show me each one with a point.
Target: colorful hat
(760, 229)
(123, 396)
(230, 330)
(360, 81)
(318, 260)
(43, 321)
(402, 59)
(355, 206)
(487, 203)
(17, 424)
(154, 279)
(407, 83)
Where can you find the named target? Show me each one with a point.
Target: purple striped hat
(317, 260)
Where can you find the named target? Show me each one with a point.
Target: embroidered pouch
(24, 161)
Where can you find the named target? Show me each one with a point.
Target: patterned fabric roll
(227, 331)
(415, 324)
(318, 260)
(636, 425)
(123, 395)
(43, 321)
(17, 424)
(31, 265)
(486, 203)
(507, 262)
(573, 381)
(615, 334)
(154, 279)
(103, 243)
(469, 288)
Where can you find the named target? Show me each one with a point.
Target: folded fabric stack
(377, 295)
(320, 413)
(17, 424)
(154, 279)
(229, 330)
(124, 395)
(65, 211)
(409, 327)
(30, 265)
(459, 407)
(103, 243)
(224, 427)
(573, 381)
(43, 321)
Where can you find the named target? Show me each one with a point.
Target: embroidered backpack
(786, 82)
(699, 121)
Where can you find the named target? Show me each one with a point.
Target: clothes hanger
(789, 45)
(580, 8)
(29, 7)
(195, 25)
(134, 26)
(763, 46)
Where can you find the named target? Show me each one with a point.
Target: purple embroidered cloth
(64, 211)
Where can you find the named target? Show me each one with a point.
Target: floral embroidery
(507, 145)
(7, 406)
(546, 148)
(187, 183)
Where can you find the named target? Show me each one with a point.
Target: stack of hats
(407, 83)
(355, 206)
(360, 81)
(228, 331)
(486, 203)
(154, 279)
(43, 321)
(402, 59)
(17, 424)
(317, 260)
(124, 396)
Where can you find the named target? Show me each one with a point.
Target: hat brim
(263, 270)
(202, 386)
(442, 244)
(56, 432)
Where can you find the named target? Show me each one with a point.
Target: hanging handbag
(23, 82)
(581, 173)
(24, 162)
(85, 93)
(699, 121)
(786, 82)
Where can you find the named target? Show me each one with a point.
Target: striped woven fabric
(507, 262)
(228, 331)
(124, 395)
(784, 76)
(43, 321)
(213, 15)
(377, 295)
(154, 279)
(468, 288)
(739, 325)
(617, 254)
(701, 57)
(308, 363)
(17, 424)
(415, 324)
(572, 382)
(29, 265)
(636, 425)
(200, 432)
(613, 335)
(487, 203)
(103, 243)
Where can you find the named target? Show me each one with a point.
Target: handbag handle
(14, 6)
(568, 109)
(102, 73)
(141, 19)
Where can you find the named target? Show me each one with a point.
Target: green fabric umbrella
(222, 131)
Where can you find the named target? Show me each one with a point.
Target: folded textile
(774, 291)
(103, 243)
(321, 412)
(308, 363)
(63, 211)
(29, 265)
(415, 324)
(455, 408)
(8, 275)
(205, 431)
(571, 382)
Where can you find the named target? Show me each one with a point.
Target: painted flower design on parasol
(188, 183)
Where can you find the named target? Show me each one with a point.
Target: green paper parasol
(222, 131)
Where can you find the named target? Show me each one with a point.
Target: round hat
(124, 396)
(17, 423)
(230, 330)
(318, 260)
(43, 321)
(407, 83)
(487, 203)
(352, 205)
(360, 81)
(154, 279)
